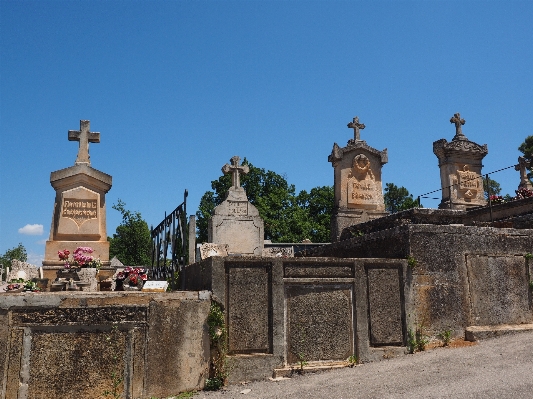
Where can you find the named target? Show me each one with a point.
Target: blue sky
(176, 88)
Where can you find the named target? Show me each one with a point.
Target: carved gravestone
(79, 216)
(236, 222)
(460, 169)
(522, 168)
(24, 270)
(357, 182)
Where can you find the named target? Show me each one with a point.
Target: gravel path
(495, 368)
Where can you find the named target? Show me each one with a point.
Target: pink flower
(144, 277)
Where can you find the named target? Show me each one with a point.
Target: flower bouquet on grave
(80, 259)
(523, 193)
(131, 279)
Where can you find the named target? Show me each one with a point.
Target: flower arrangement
(132, 277)
(81, 258)
(523, 193)
(497, 199)
(21, 284)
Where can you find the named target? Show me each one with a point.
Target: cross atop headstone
(235, 169)
(355, 125)
(84, 136)
(522, 167)
(456, 119)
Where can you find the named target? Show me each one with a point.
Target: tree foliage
(18, 252)
(288, 217)
(526, 148)
(398, 198)
(494, 186)
(131, 243)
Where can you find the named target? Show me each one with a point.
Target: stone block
(319, 322)
(385, 306)
(498, 289)
(249, 307)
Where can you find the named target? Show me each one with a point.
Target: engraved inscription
(361, 192)
(79, 210)
(238, 208)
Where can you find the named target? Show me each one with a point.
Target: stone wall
(460, 275)
(281, 310)
(56, 345)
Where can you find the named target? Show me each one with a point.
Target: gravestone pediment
(236, 222)
(79, 215)
(460, 169)
(357, 182)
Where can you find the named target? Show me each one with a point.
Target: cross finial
(235, 169)
(522, 167)
(356, 126)
(456, 119)
(84, 136)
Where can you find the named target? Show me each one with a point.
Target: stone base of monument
(349, 217)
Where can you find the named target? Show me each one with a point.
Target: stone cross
(456, 119)
(235, 170)
(355, 125)
(84, 136)
(524, 181)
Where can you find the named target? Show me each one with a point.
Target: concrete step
(311, 367)
(476, 333)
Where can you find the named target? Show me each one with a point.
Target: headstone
(278, 252)
(79, 214)
(155, 286)
(460, 169)
(20, 269)
(357, 182)
(236, 222)
(208, 249)
(522, 167)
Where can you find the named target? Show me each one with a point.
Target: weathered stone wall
(283, 310)
(56, 345)
(463, 276)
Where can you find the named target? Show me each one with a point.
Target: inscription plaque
(79, 210)
(238, 208)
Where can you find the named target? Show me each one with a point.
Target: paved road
(495, 368)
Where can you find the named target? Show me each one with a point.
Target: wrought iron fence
(169, 245)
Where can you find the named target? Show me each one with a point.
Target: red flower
(133, 279)
(144, 277)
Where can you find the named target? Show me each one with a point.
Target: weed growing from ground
(352, 360)
(411, 261)
(218, 336)
(446, 337)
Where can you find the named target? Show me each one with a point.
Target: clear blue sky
(176, 88)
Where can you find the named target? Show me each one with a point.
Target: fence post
(192, 240)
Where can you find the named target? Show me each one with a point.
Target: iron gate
(169, 245)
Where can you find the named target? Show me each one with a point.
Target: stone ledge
(312, 367)
(476, 333)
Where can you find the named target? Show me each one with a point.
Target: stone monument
(522, 168)
(460, 169)
(236, 222)
(79, 215)
(357, 182)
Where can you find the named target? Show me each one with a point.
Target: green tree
(398, 198)
(131, 243)
(18, 252)
(526, 148)
(494, 186)
(287, 217)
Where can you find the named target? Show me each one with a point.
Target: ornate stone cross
(355, 125)
(456, 119)
(235, 169)
(522, 167)
(84, 136)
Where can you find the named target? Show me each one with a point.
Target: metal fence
(170, 245)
